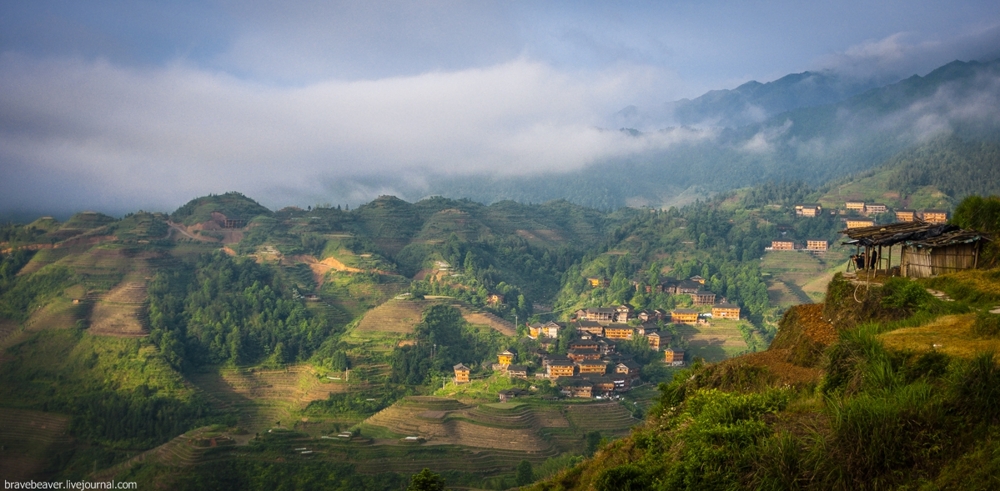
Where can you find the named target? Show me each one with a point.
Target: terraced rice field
(120, 312)
(715, 342)
(261, 398)
(28, 439)
(394, 316)
(183, 451)
(529, 428)
(402, 316)
(799, 277)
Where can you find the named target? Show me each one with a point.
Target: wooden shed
(926, 249)
(946, 253)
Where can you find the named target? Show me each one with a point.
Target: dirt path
(182, 231)
(320, 268)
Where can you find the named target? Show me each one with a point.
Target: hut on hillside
(925, 249)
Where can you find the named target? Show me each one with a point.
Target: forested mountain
(752, 102)
(813, 144)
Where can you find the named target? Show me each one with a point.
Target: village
(857, 214)
(593, 367)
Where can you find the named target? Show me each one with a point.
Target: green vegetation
(876, 416)
(235, 312)
(233, 205)
(444, 339)
(311, 323)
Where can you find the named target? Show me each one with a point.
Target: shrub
(986, 324)
(874, 435)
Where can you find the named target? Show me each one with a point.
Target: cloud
(179, 131)
(906, 53)
(764, 140)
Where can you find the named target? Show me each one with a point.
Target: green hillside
(233, 205)
(849, 395)
(149, 350)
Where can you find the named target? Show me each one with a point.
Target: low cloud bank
(164, 135)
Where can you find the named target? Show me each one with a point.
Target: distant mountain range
(798, 137)
(752, 102)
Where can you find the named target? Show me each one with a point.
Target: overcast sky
(116, 106)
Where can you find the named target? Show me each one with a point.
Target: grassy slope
(863, 402)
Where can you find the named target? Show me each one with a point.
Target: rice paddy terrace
(402, 316)
(29, 440)
(260, 398)
(536, 427)
(445, 435)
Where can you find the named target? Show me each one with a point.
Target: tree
(525, 474)
(426, 480)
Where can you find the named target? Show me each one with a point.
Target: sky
(119, 106)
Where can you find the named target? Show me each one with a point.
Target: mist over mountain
(752, 102)
(813, 143)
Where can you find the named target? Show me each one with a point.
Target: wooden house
(544, 330)
(581, 354)
(593, 328)
(559, 368)
(619, 331)
(577, 387)
(605, 346)
(702, 297)
(946, 253)
(858, 206)
(654, 340)
(688, 287)
(645, 328)
(926, 249)
(508, 394)
(906, 215)
(583, 344)
(668, 286)
(782, 245)
(684, 316)
(598, 314)
(592, 367)
(628, 368)
(810, 211)
(726, 311)
(874, 208)
(860, 223)
(461, 374)
(505, 358)
(697, 279)
(935, 216)
(650, 316)
(597, 282)
(517, 371)
(673, 357)
(817, 245)
(602, 384)
(623, 313)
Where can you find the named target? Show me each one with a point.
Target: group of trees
(230, 311)
(443, 339)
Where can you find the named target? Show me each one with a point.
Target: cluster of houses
(592, 367)
(811, 245)
(869, 209)
(859, 213)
